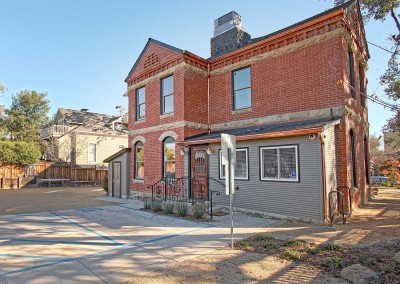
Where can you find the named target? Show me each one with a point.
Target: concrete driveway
(106, 244)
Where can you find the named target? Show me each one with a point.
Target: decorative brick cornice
(168, 126)
(167, 73)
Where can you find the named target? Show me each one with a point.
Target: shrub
(312, 250)
(198, 211)
(292, 254)
(334, 263)
(156, 206)
(19, 153)
(147, 204)
(386, 183)
(168, 208)
(363, 260)
(270, 245)
(242, 244)
(292, 243)
(181, 208)
(333, 247)
(262, 238)
(104, 184)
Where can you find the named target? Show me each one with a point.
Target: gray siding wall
(302, 199)
(124, 159)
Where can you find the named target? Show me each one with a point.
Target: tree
(19, 153)
(377, 156)
(391, 169)
(26, 116)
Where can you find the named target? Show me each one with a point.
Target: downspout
(208, 98)
(321, 139)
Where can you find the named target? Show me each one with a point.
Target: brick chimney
(228, 34)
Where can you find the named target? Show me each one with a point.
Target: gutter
(324, 202)
(208, 99)
(258, 136)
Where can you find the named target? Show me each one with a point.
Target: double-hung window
(167, 95)
(279, 163)
(351, 73)
(92, 152)
(241, 166)
(169, 158)
(241, 89)
(362, 86)
(140, 104)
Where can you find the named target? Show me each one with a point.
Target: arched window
(366, 160)
(169, 158)
(353, 159)
(139, 160)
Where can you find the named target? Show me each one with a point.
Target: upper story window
(362, 86)
(351, 74)
(241, 166)
(241, 89)
(167, 95)
(279, 163)
(139, 160)
(92, 152)
(140, 103)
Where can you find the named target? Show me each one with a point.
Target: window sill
(140, 121)
(243, 110)
(166, 115)
(138, 181)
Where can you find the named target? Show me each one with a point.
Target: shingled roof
(90, 121)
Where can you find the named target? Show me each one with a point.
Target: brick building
(294, 99)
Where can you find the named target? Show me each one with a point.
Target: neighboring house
(84, 138)
(295, 99)
(391, 142)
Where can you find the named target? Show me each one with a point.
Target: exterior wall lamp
(184, 150)
(209, 150)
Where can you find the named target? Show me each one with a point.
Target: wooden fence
(12, 176)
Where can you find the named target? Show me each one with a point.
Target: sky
(80, 52)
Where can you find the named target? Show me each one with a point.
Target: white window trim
(247, 164)
(95, 157)
(279, 165)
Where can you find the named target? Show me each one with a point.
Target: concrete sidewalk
(107, 244)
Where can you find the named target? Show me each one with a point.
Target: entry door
(116, 179)
(199, 166)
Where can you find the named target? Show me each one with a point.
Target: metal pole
(230, 194)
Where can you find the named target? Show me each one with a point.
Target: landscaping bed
(330, 258)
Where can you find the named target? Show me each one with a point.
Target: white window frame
(279, 163)
(221, 176)
(95, 155)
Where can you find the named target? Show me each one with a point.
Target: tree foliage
(377, 156)
(19, 153)
(391, 169)
(26, 116)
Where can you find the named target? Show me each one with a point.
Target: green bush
(262, 238)
(332, 246)
(386, 183)
(19, 153)
(312, 250)
(147, 204)
(156, 206)
(334, 263)
(104, 184)
(168, 208)
(292, 254)
(198, 210)
(242, 244)
(269, 245)
(181, 208)
(363, 260)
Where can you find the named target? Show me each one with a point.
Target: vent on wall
(151, 60)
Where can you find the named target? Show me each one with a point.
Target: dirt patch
(379, 220)
(30, 200)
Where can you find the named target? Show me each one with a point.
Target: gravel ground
(378, 220)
